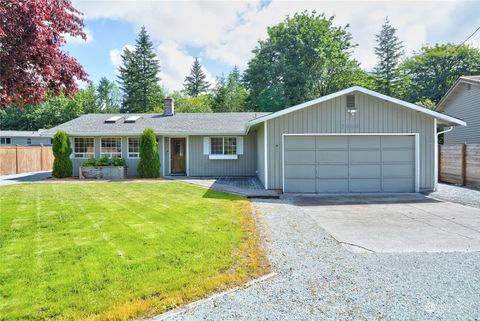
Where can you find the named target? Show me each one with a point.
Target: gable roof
(442, 117)
(179, 123)
(472, 80)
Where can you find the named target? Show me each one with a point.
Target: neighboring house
(463, 101)
(25, 138)
(355, 140)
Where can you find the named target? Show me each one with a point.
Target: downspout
(436, 160)
(445, 131)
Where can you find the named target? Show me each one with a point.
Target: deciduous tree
(32, 62)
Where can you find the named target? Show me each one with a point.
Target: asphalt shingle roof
(179, 123)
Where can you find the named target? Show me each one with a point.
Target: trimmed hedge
(62, 165)
(104, 161)
(149, 165)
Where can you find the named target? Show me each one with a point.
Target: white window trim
(223, 155)
(110, 155)
(75, 153)
(128, 148)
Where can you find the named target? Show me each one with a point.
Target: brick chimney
(169, 106)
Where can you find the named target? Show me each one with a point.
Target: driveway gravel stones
(317, 279)
(458, 194)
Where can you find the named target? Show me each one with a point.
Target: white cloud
(174, 63)
(78, 40)
(228, 31)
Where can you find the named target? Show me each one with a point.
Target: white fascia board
(446, 118)
(178, 134)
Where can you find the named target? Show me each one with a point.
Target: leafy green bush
(62, 165)
(149, 165)
(104, 161)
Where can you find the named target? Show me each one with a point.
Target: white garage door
(343, 164)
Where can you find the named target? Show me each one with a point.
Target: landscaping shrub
(104, 161)
(62, 165)
(149, 165)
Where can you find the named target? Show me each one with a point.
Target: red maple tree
(32, 62)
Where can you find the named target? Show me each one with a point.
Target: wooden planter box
(103, 172)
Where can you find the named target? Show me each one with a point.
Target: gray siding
(201, 165)
(465, 105)
(261, 153)
(374, 116)
(132, 163)
(22, 141)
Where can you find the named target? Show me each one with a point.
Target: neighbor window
(223, 145)
(29, 141)
(5, 140)
(83, 147)
(133, 147)
(111, 147)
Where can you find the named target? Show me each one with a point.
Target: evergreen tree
(389, 51)
(149, 165)
(229, 94)
(108, 95)
(196, 83)
(139, 76)
(62, 165)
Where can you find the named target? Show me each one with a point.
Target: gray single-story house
(25, 138)
(354, 140)
(462, 100)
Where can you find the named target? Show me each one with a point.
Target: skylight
(132, 119)
(113, 119)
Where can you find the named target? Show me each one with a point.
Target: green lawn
(115, 251)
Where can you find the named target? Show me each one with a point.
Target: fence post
(464, 163)
(41, 157)
(16, 159)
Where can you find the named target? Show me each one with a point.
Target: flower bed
(103, 168)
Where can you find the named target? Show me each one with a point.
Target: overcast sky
(223, 34)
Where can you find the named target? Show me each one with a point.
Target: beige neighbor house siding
(374, 115)
(201, 165)
(464, 105)
(261, 153)
(132, 163)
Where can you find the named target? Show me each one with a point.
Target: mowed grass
(117, 251)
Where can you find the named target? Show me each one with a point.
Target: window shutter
(240, 145)
(206, 145)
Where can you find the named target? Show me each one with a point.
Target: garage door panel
(398, 170)
(332, 157)
(398, 141)
(407, 155)
(332, 185)
(332, 171)
(399, 185)
(342, 164)
(299, 171)
(300, 142)
(365, 185)
(300, 185)
(300, 157)
(364, 156)
(332, 142)
(364, 142)
(365, 171)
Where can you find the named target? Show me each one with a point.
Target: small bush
(62, 165)
(149, 164)
(104, 161)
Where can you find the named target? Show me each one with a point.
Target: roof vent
(132, 119)
(113, 119)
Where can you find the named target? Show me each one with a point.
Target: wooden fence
(459, 164)
(24, 159)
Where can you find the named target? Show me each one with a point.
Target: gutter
(445, 131)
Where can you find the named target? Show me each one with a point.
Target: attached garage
(350, 163)
(352, 141)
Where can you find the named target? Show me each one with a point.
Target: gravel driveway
(458, 194)
(319, 280)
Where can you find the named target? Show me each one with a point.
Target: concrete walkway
(249, 187)
(24, 178)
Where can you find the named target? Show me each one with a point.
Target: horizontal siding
(373, 116)
(22, 141)
(132, 163)
(261, 153)
(465, 105)
(201, 165)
